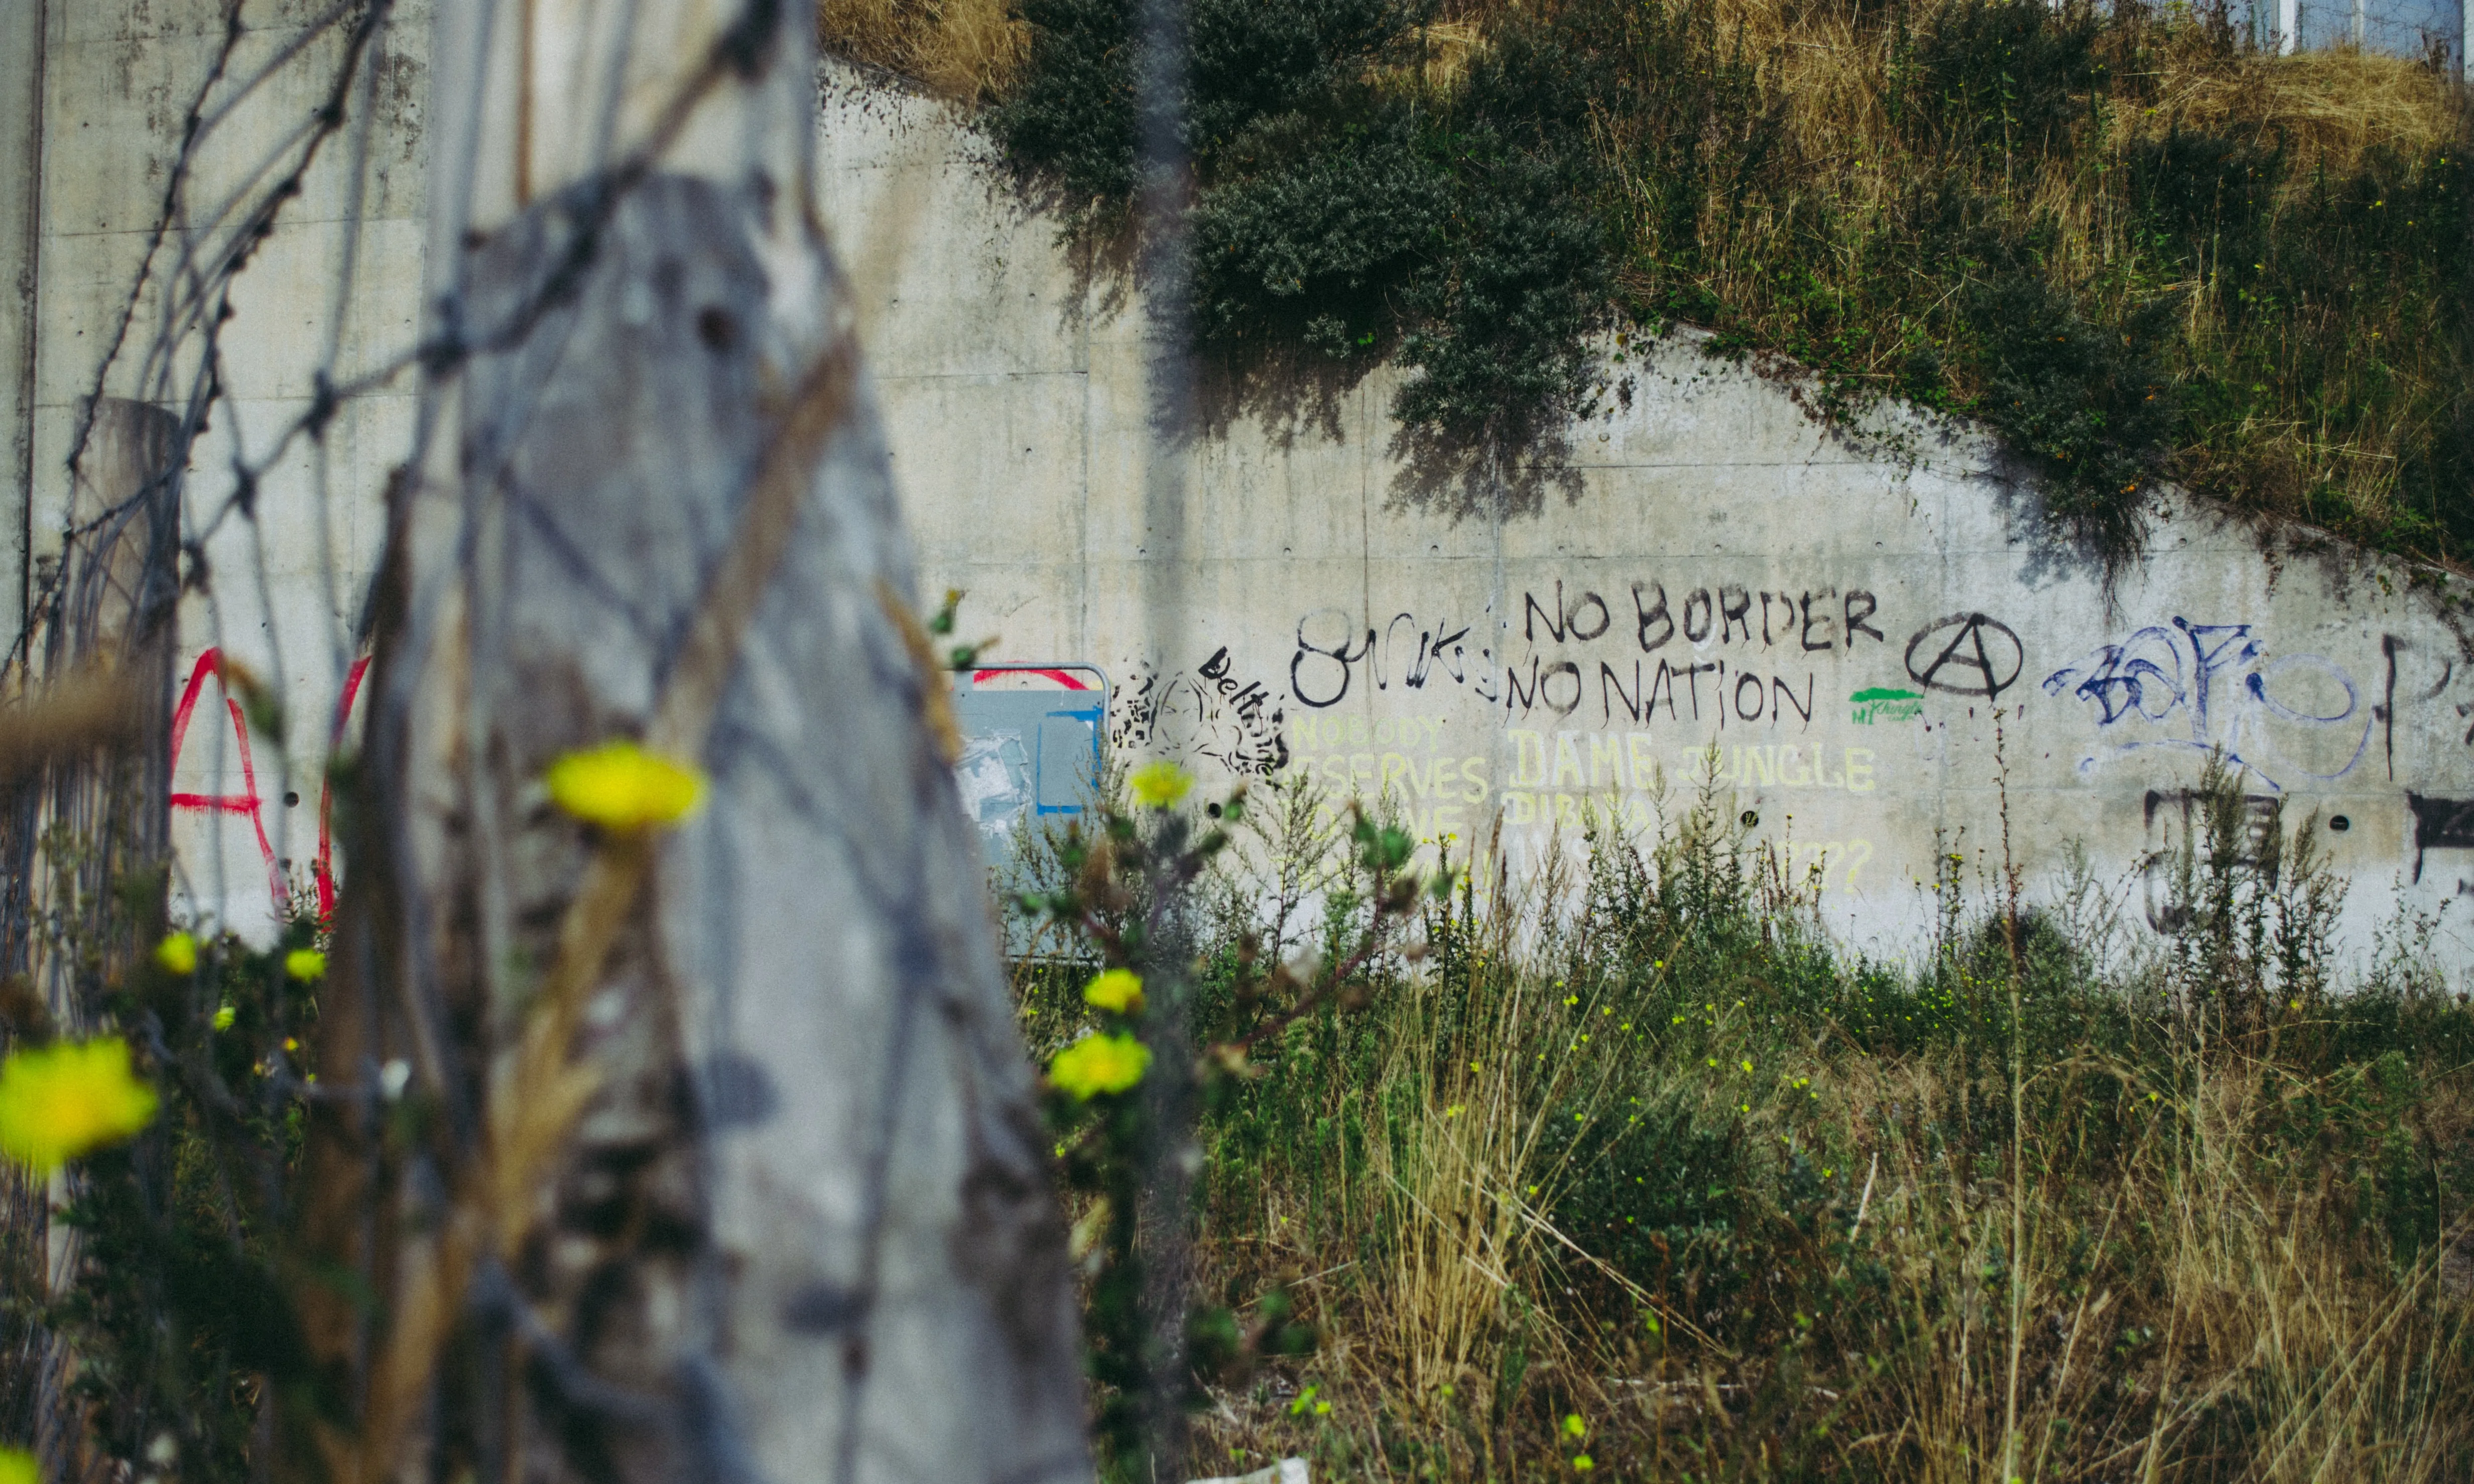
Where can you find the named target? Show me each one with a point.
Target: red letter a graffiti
(247, 802)
(243, 803)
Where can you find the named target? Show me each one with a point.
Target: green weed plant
(1633, 1171)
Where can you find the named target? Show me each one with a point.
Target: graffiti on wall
(246, 804)
(1209, 712)
(2214, 688)
(1331, 658)
(1692, 651)
(2440, 824)
(2174, 821)
(1965, 654)
(1411, 763)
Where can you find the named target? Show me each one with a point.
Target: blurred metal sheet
(1031, 745)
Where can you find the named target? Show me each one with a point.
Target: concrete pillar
(21, 196)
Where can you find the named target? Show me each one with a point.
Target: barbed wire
(221, 503)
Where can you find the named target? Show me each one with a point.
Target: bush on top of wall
(2132, 241)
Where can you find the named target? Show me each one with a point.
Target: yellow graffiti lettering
(1568, 761)
(1606, 750)
(1644, 762)
(1528, 759)
(1396, 767)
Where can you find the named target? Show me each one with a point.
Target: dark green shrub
(2007, 77)
(1346, 218)
(1500, 325)
(182, 1313)
(1258, 58)
(2201, 190)
(2028, 216)
(2092, 405)
(1315, 241)
(1071, 115)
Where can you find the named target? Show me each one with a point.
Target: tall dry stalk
(1458, 1183)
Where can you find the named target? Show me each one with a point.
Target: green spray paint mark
(1881, 704)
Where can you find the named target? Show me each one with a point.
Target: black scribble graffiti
(2186, 809)
(1331, 656)
(2440, 824)
(1981, 656)
(1565, 621)
(1802, 619)
(2385, 712)
(1211, 713)
(1543, 689)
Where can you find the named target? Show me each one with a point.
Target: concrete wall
(1880, 650)
(333, 287)
(21, 124)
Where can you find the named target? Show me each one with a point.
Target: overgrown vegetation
(1633, 1173)
(181, 1314)
(2133, 241)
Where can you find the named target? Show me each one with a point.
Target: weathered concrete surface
(1880, 652)
(1479, 663)
(334, 287)
(21, 124)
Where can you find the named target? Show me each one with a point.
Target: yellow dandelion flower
(1117, 990)
(18, 1466)
(60, 1102)
(305, 964)
(1100, 1063)
(620, 786)
(1582, 1463)
(1160, 784)
(1573, 1426)
(178, 953)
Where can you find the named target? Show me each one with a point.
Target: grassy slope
(2133, 243)
(1679, 1189)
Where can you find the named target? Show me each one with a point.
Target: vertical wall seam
(28, 288)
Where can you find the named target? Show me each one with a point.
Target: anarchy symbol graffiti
(1981, 656)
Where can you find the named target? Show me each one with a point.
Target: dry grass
(2231, 1327)
(2350, 389)
(964, 49)
(2209, 1286)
